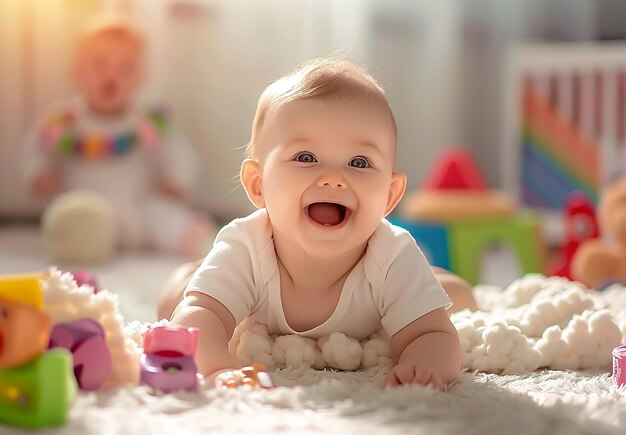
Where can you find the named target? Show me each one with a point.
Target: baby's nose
(332, 180)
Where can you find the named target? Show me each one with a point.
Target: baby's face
(108, 72)
(326, 170)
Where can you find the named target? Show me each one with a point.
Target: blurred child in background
(104, 141)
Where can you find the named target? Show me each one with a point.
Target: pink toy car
(167, 363)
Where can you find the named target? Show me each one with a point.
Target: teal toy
(456, 217)
(458, 246)
(432, 239)
(40, 393)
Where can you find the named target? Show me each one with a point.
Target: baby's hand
(255, 376)
(409, 373)
(46, 183)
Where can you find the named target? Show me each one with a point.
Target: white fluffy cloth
(545, 322)
(66, 302)
(252, 343)
(536, 322)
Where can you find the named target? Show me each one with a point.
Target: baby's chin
(325, 250)
(108, 107)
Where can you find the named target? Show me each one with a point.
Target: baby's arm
(457, 289)
(216, 325)
(40, 172)
(426, 351)
(218, 295)
(46, 182)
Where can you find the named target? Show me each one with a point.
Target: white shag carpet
(312, 401)
(550, 402)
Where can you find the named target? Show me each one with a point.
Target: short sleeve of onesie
(410, 289)
(227, 273)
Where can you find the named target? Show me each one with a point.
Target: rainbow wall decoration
(558, 158)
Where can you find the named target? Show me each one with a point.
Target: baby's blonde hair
(316, 78)
(114, 27)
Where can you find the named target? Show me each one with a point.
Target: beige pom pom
(79, 227)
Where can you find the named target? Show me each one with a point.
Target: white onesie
(391, 286)
(122, 158)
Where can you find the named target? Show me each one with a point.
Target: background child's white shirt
(128, 181)
(128, 176)
(391, 286)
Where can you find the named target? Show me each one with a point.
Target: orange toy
(24, 325)
(255, 376)
(596, 262)
(456, 190)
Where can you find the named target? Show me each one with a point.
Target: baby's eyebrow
(302, 141)
(371, 146)
(298, 142)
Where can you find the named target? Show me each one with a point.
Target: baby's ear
(250, 175)
(396, 191)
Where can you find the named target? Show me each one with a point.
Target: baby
(318, 256)
(105, 142)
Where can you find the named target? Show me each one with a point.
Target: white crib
(565, 123)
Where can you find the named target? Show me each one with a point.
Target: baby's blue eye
(305, 158)
(359, 162)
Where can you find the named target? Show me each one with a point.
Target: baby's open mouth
(109, 88)
(328, 213)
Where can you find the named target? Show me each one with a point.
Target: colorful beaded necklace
(59, 136)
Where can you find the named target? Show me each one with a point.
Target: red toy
(619, 366)
(581, 224)
(82, 276)
(455, 169)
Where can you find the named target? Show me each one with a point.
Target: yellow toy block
(23, 289)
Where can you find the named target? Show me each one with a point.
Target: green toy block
(40, 393)
(469, 239)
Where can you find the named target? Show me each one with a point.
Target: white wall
(212, 58)
(11, 104)
(35, 51)
(219, 61)
(413, 50)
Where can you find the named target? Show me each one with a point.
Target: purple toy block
(82, 276)
(167, 363)
(92, 358)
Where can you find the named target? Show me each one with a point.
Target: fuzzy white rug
(313, 401)
(549, 402)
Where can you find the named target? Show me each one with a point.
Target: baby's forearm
(440, 351)
(212, 353)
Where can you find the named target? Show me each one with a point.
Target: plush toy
(597, 262)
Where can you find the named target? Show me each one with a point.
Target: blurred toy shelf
(565, 128)
(458, 221)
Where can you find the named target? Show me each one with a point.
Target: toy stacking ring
(619, 365)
